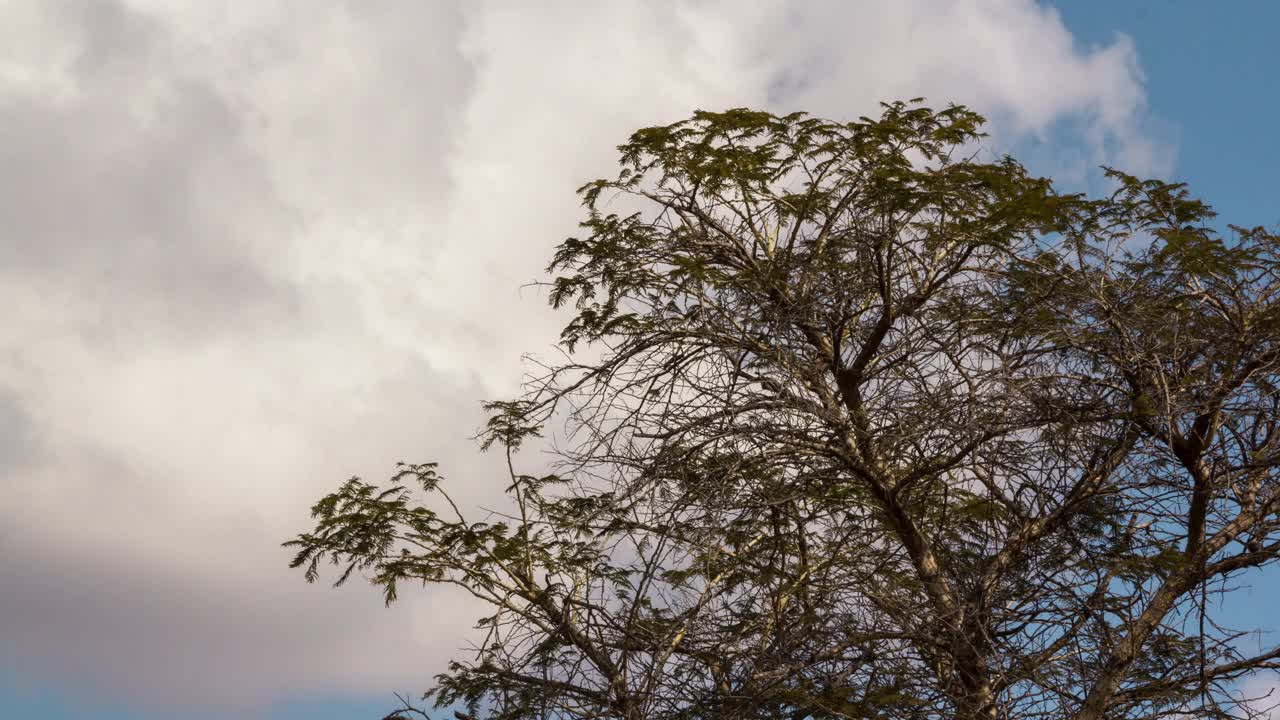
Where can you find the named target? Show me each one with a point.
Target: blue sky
(322, 177)
(1208, 73)
(1210, 80)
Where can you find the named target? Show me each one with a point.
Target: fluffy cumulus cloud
(250, 249)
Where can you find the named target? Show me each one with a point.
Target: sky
(250, 249)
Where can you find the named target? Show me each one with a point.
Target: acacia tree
(869, 428)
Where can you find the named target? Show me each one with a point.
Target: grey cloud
(155, 587)
(126, 190)
(108, 210)
(186, 223)
(18, 445)
(230, 643)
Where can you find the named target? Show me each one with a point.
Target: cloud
(252, 249)
(1012, 60)
(1261, 690)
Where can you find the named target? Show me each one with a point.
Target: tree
(852, 424)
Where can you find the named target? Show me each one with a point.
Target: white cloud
(251, 249)
(1262, 690)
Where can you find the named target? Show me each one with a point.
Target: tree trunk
(973, 694)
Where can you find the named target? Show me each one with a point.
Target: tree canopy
(851, 422)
